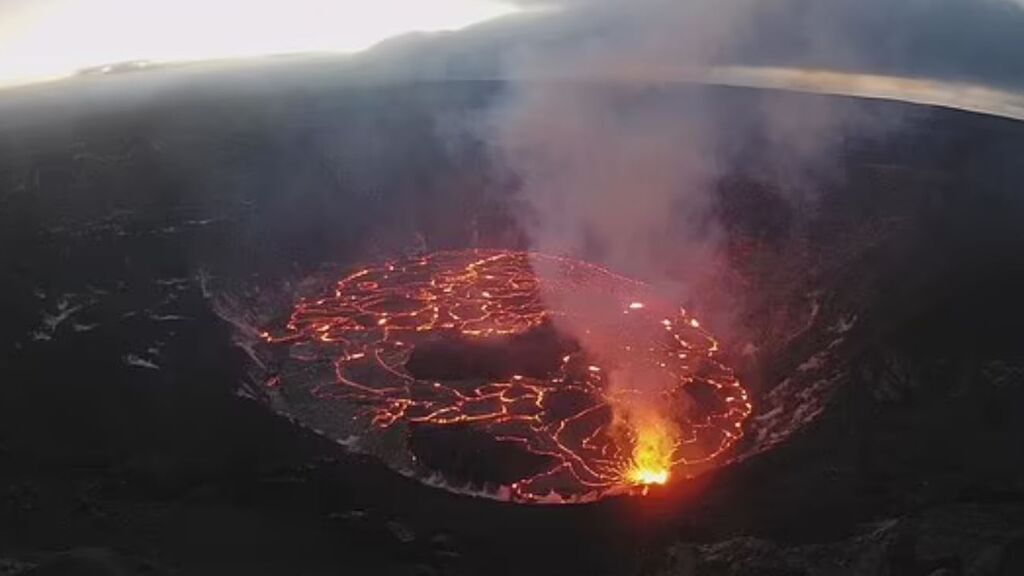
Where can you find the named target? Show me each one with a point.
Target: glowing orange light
(648, 476)
(652, 453)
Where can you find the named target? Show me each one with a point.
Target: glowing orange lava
(594, 421)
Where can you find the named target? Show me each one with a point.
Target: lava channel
(516, 375)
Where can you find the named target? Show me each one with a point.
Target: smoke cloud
(615, 161)
(617, 164)
(619, 171)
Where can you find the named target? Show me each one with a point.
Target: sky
(976, 41)
(43, 39)
(948, 52)
(966, 54)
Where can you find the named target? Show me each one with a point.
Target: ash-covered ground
(882, 338)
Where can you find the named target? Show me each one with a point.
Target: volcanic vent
(484, 370)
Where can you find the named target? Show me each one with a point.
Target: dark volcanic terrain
(873, 308)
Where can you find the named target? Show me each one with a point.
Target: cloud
(978, 42)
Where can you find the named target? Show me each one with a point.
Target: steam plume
(617, 166)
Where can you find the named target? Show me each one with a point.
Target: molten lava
(652, 454)
(639, 397)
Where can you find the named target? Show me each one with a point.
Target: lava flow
(580, 382)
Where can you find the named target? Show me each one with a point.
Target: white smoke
(618, 162)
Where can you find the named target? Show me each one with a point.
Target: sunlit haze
(43, 39)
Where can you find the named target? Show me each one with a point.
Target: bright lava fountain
(572, 382)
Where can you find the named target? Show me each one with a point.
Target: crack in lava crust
(573, 419)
